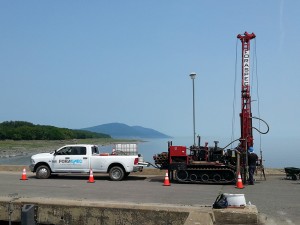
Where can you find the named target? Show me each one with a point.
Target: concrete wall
(247, 215)
(65, 212)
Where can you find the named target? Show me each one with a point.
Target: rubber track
(208, 181)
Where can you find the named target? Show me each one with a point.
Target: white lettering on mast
(246, 67)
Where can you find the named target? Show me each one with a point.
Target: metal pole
(246, 169)
(193, 76)
(238, 167)
(194, 112)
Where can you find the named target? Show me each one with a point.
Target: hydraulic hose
(231, 143)
(268, 128)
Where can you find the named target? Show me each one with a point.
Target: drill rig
(204, 164)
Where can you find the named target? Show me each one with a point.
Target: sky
(78, 64)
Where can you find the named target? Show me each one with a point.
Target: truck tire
(294, 177)
(43, 172)
(116, 173)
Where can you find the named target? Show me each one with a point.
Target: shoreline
(11, 148)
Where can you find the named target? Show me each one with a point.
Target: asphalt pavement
(277, 199)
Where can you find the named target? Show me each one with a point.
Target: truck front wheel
(116, 173)
(43, 172)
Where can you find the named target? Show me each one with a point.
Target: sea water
(276, 152)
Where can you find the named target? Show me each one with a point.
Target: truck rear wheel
(294, 177)
(43, 172)
(116, 173)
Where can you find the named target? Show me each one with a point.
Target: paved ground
(277, 198)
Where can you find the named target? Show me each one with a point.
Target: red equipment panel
(177, 151)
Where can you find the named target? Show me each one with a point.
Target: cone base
(240, 187)
(167, 182)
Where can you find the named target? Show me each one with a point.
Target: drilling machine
(204, 164)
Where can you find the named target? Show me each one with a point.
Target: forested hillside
(21, 130)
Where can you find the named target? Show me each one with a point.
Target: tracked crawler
(198, 164)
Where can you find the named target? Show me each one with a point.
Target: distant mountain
(120, 130)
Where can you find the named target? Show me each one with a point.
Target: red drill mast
(246, 115)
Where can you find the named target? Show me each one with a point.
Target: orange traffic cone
(24, 177)
(239, 183)
(167, 182)
(91, 178)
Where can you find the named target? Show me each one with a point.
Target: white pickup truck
(80, 159)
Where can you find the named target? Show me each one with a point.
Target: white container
(235, 199)
(127, 149)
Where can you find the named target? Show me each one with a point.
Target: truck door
(70, 158)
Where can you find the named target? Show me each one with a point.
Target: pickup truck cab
(80, 158)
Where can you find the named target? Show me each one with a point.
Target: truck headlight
(32, 161)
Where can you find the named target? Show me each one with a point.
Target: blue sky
(78, 64)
